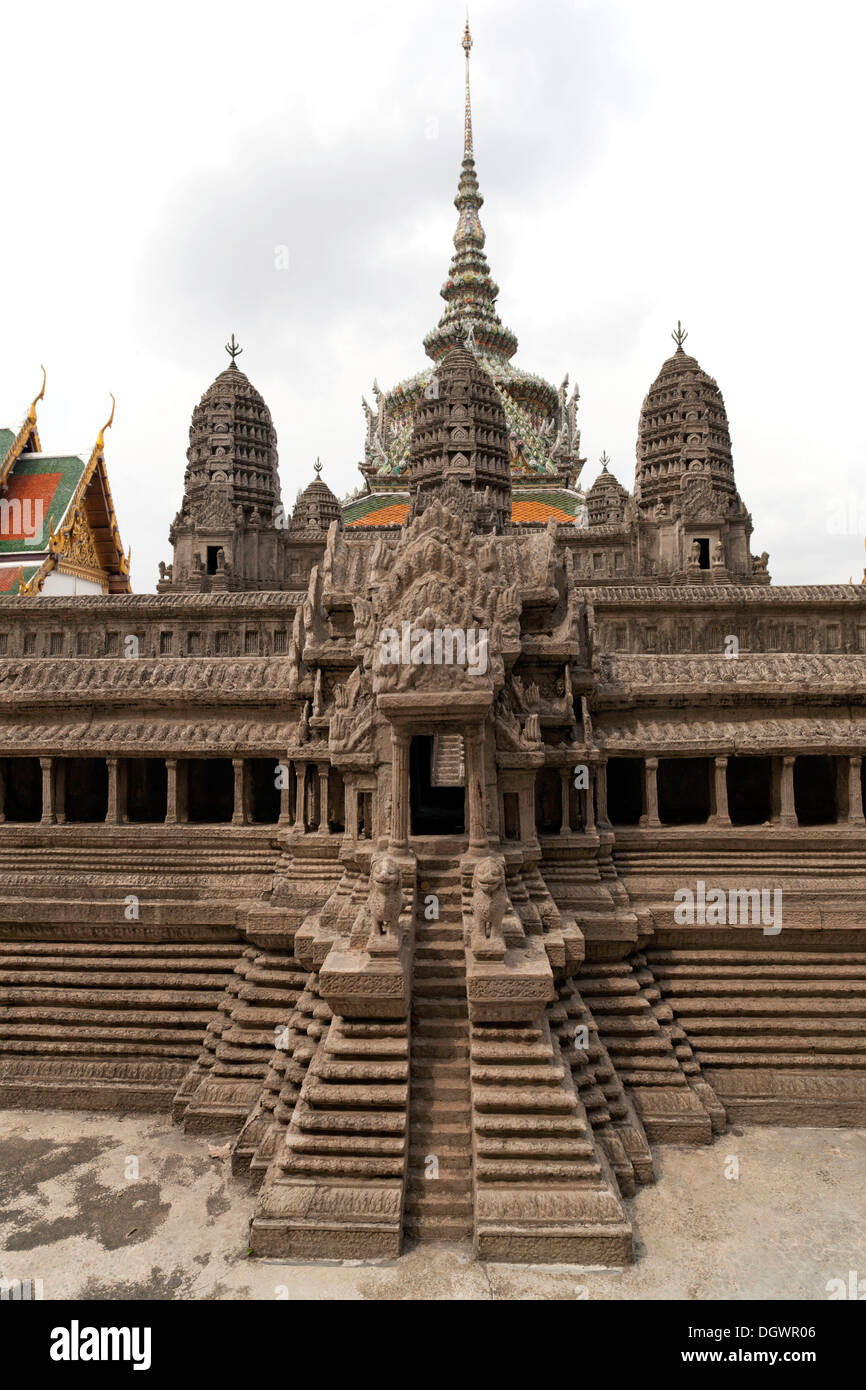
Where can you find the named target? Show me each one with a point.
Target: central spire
(470, 292)
(467, 123)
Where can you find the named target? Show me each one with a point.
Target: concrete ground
(127, 1207)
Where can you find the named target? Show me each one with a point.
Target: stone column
(60, 791)
(324, 828)
(351, 801)
(475, 788)
(285, 799)
(721, 815)
(566, 774)
(589, 799)
(300, 797)
(788, 809)
(171, 807)
(238, 817)
(651, 793)
(526, 804)
(399, 789)
(49, 815)
(601, 786)
(113, 814)
(855, 791)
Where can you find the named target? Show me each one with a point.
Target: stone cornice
(114, 681)
(775, 731)
(721, 595)
(151, 605)
(706, 678)
(130, 736)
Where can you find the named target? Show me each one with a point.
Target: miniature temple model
(450, 848)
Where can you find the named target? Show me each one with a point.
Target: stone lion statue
(489, 905)
(381, 911)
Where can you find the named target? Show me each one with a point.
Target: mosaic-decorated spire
(470, 292)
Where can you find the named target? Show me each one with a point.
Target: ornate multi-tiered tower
(225, 535)
(232, 533)
(543, 439)
(684, 478)
(459, 450)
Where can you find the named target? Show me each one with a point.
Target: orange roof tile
(537, 511)
(394, 515)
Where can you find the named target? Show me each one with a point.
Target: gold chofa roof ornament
(100, 438)
(31, 414)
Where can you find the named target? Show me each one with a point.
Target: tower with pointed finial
(231, 531)
(684, 476)
(470, 292)
(541, 421)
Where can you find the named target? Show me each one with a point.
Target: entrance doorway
(433, 810)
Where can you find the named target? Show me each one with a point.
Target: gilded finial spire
(100, 438)
(680, 336)
(470, 291)
(467, 123)
(31, 414)
(233, 350)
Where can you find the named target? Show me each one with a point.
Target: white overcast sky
(641, 161)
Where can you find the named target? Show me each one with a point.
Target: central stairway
(447, 766)
(439, 1207)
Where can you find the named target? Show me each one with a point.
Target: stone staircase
(218, 1092)
(448, 766)
(105, 1025)
(780, 1034)
(439, 1207)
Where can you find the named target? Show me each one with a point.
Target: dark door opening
(212, 553)
(684, 791)
(704, 557)
(433, 810)
(815, 790)
(749, 790)
(624, 790)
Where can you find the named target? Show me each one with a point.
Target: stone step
(350, 1122)
(440, 1110)
(536, 1170)
(499, 1054)
(348, 1144)
(497, 1128)
(355, 1097)
(435, 1010)
(527, 1146)
(431, 1199)
(367, 1072)
(425, 1068)
(455, 1184)
(347, 1167)
(425, 1228)
(529, 1075)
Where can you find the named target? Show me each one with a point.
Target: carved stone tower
(459, 449)
(231, 531)
(696, 527)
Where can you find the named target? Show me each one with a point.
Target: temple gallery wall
(445, 947)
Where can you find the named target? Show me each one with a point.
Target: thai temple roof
(543, 437)
(56, 514)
